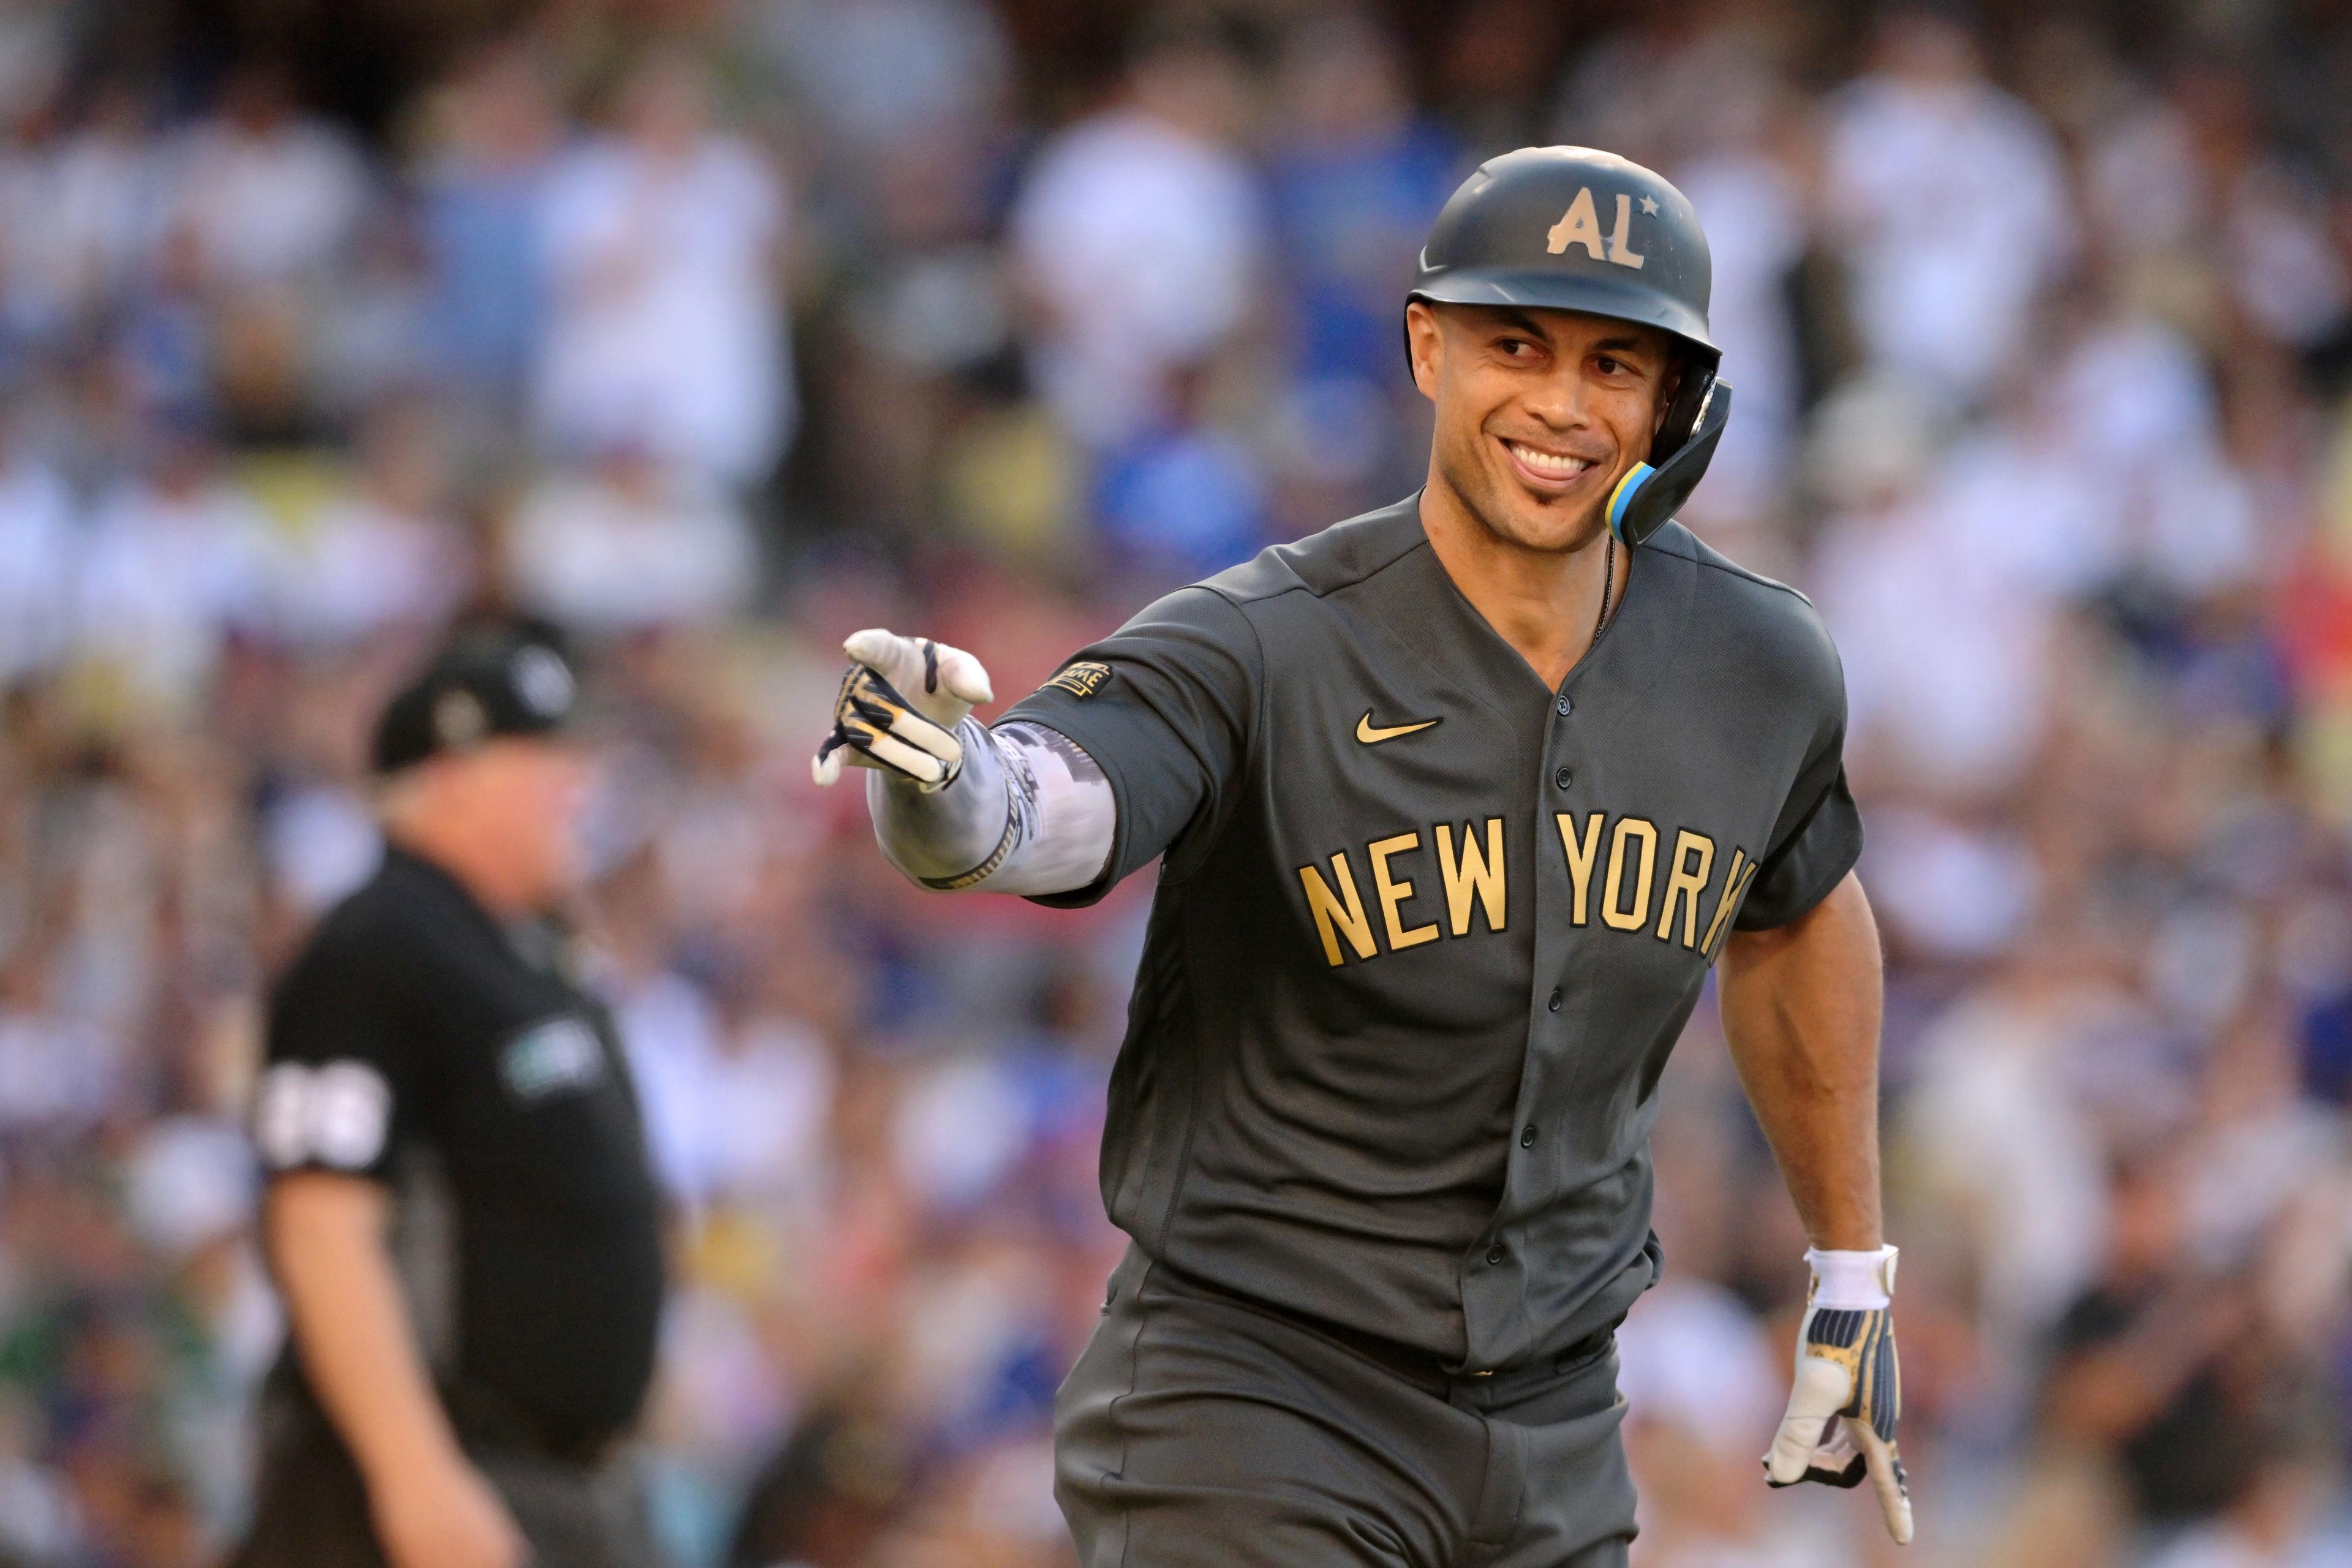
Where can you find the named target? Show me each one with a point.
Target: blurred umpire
(459, 1212)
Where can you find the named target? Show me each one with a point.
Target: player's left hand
(911, 735)
(1841, 1411)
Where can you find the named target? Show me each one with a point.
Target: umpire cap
(1574, 229)
(488, 681)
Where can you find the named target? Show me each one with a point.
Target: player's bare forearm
(1800, 1009)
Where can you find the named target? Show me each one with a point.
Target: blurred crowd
(712, 330)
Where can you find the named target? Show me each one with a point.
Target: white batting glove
(911, 735)
(1841, 1411)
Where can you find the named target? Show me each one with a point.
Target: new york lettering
(1451, 880)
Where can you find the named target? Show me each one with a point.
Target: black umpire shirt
(1426, 930)
(418, 1041)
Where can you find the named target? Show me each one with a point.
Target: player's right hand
(1843, 1403)
(911, 735)
(444, 1515)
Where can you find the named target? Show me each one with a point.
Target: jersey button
(1558, 996)
(1562, 706)
(1494, 1253)
(1563, 778)
(1527, 1137)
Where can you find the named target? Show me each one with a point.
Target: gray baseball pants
(1203, 1431)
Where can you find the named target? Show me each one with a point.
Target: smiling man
(1456, 804)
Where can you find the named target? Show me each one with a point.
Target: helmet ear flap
(1684, 411)
(1647, 496)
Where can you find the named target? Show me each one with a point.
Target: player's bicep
(1164, 707)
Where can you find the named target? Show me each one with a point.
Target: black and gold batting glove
(1849, 1391)
(899, 708)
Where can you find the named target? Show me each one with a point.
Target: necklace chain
(1608, 581)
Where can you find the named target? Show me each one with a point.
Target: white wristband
(1857, 1281)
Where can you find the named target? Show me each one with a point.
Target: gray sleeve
(1817, 837)
(1031, 813)
(1167, 707)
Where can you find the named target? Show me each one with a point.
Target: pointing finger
(1886, 1478)
(875, 649)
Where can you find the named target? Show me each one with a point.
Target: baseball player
(1456, 804)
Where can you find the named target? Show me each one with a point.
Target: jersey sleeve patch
(337, 1114)
(1084, 679)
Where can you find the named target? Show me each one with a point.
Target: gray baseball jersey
(1426, 930)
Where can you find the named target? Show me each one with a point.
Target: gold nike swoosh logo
(1371, 737)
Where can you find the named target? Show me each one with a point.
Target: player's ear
(1668, 384)
(1424, 345)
